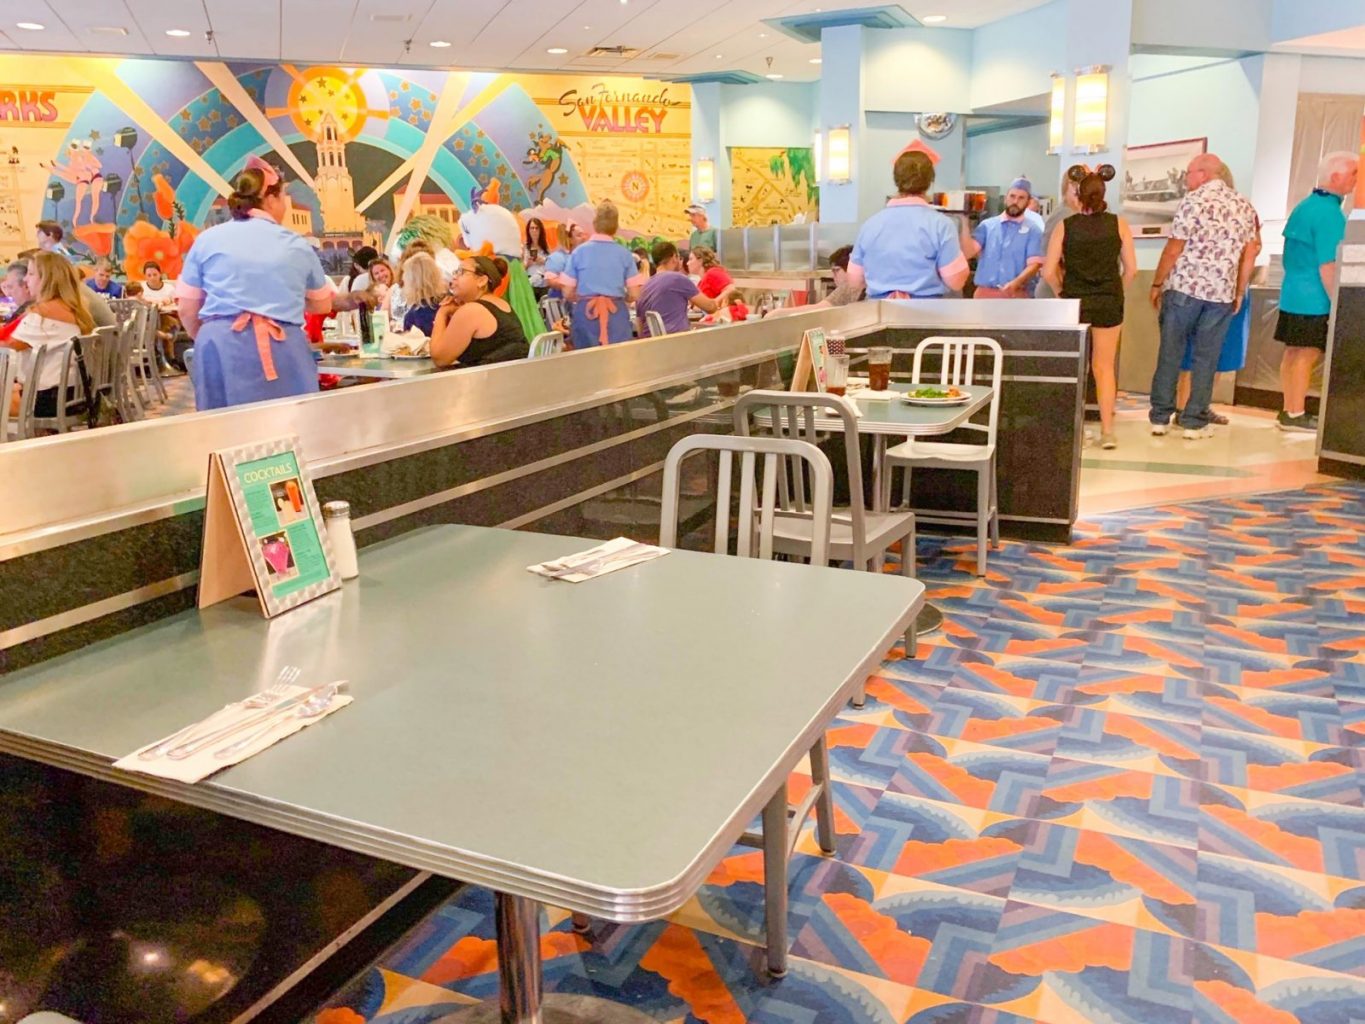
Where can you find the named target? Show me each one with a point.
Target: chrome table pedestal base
(928, 620)
(519, 974)
(556, 1009)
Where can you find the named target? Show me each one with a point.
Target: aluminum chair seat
(926, 452)
(792, 532)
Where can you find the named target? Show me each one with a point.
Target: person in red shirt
(16, 290)
(712, 279)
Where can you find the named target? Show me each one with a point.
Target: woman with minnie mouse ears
(1091, 257)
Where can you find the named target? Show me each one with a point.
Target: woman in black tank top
(1092, 258)
(473, 327)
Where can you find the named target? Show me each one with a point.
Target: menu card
(811, 360)
(263, 529)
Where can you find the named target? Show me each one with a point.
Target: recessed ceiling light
(31, 26)
(934, 19)
(556, 50)
(817, 60)
(774, 77)
(720, 56)
(763, 35)
(439, 43)
(178, 33)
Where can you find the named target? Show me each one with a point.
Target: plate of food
(936, 394)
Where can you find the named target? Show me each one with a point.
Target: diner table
(595, 746)
(376, 367)
(891, 418)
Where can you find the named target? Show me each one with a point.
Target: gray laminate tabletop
(597, 746)
(381, 367)
(899, 418)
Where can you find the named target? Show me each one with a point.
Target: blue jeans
(1202, 325)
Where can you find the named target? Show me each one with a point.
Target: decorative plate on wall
(936, 126)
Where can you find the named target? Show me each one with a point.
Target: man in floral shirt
(1200, 284)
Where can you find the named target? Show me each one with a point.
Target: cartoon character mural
(546, 153)
(135, 158)
(491, 229)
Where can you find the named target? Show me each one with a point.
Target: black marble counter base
(120, 908)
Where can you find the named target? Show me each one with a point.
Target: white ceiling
(674, 37)
(1348, 42)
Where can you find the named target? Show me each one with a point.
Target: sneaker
(1108, 442)
(1300, 424)
(1194, 434)
(1160, 429)
(1218, 419)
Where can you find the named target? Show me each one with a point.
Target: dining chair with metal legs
(857, 534)
(763, 463)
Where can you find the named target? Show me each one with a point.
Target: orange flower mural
(143, 243)
(163, 197)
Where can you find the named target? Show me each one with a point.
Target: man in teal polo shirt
(1315, 229)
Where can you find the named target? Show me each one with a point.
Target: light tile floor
(1123, 784)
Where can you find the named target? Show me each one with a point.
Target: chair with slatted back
(548, 344)
(553, 310)
(763, 461)
(126, 398)
(9, 371)
(959, 360)
(144, 364)
(857, 534)
(654, 321)
(30, 424)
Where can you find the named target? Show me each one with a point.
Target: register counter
(100, 531)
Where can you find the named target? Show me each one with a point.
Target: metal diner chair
(957, 366)
(755, 535)
(548, 344)
(857, 534)
(654, 321)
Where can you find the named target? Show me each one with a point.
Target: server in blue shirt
(1009, 248)
(600, 280)
(908, 250)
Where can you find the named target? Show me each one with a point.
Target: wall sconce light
(706, 180)
(818, 151)
(1091, 126)
(839, 155)
(1056, 128)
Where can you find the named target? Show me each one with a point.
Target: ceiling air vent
(109, 30)
(389, 18)
(612, 51)
(664, 56)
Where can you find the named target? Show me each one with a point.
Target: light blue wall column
(842, 102)
(1102, 34)
(708, 140)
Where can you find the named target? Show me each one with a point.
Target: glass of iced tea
(878, 369)
(836, 375)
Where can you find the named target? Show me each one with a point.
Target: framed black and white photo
(1154, 183)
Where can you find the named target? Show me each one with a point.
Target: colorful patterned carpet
(1124, 784)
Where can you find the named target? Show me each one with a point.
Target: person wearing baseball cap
(1009, 248)
(702, 233)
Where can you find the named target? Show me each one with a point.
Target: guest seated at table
(669, 292)
(16, 290)
(57, 314)
(357, 278)
(102, 281)
(712, 279)
(423, 290)
(398, 306)
(474, 327)
(381, 277)
(844, 293)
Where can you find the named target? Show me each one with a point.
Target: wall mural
(133, 157)
(772, 186)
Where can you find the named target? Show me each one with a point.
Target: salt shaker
(336, 515)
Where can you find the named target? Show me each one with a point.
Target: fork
(315, 707)
(601, 562)
(277, 690)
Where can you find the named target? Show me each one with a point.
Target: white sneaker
(1159, 429)
(1195, 435)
